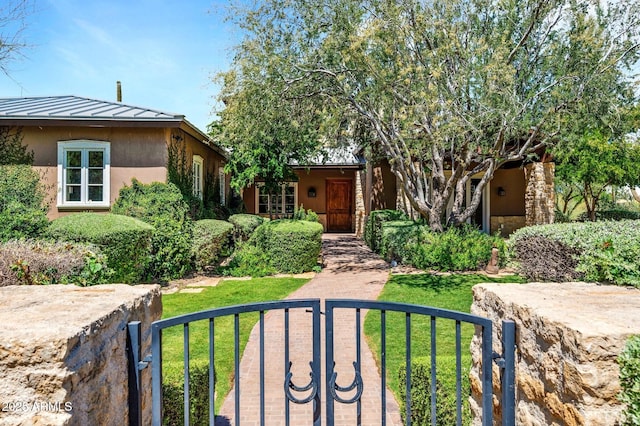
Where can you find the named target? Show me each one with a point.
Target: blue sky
(164, 52)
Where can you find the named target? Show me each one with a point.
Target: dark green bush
(446, 404)
(244, 225)
(30, 262)
(293, 246)
(173, 398)
(22, 209)
(373, 226)
(285, 245)
(604, 251)
(124, 240)
(212, 239)
(162, 206)
(629, 361)
(398, 240)
(456, 249)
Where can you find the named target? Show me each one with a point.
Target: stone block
(63, 356)
(568, 338)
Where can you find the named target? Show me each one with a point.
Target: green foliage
(309, 215)
(292, 246)
(285, 245)
(244, 225)
(373, 226)
(395, 238)
(173, 398)
(468, 86)
(595, 161)
(162, 206)
(629, 361)
(11, 149)
(457, 249)
(612, 214)
(22, 209)
(33, 262)
(125, 241)
(446, 404)
(605, 251)
(212, 239)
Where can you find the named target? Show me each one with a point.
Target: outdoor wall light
(312, 192)
(501, 191)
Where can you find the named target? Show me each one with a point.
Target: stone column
(540, 193)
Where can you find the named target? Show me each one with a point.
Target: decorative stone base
(63, 357)
(506, 225)
(568, 338)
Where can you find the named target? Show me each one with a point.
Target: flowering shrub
(605, 251)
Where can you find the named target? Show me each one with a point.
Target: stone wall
(506, 225)
(539, 197)
(568, 338)
(63, 357)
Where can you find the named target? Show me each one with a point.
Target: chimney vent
(118, 91)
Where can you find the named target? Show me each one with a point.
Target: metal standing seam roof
(78, 108)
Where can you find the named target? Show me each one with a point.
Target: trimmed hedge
(284, 245)
(293, 246)
(244, 225)
(604, 251)
(32, 262)
(629, 361)
(373, 226)
(173, 397)
(398, 240)
(22, 211)
(162, 206)
(211, 241)
(124, 240)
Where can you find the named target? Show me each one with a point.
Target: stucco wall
(568, 338)
(63, 357)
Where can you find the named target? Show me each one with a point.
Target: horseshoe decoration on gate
(289, 385)
(357, 383)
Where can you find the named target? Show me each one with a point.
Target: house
(87, 149)
(344, 188)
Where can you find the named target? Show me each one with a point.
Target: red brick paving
(351, 271)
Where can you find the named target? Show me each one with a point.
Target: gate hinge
(499, 360)
(145, 362)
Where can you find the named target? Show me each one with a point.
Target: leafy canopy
(445, 89)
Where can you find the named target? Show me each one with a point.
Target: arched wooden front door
(339, 205)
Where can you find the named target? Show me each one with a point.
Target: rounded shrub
(603, 251)
(293, 246)
(162, 206)
(22, 209)
(212, 239)
(245, 224)
(396, 239)
(125, 241)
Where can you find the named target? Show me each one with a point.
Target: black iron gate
(337, 393)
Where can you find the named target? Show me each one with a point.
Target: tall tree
(448, 88)
(596, 162)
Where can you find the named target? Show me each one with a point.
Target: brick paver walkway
(351, 271)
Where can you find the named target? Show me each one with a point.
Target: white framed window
(198, 167)
(283, 202)
(84, 170)
(222, 184)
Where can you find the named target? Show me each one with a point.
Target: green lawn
(451, 292)
(227, 293)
